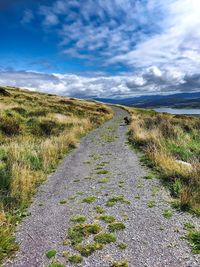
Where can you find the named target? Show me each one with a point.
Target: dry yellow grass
(172, 146)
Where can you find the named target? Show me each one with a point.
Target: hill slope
(183, 100)
(36, 131)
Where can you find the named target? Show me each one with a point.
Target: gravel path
(152, 240)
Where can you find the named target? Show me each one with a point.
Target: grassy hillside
(167, 141)
(36, 131)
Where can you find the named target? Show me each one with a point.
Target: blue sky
(103, 48)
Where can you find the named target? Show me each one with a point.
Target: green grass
(103, 180)
(116, 226)
(167, 213)
(189, 226)
(151, 204)
(78, 232)
(102, 172)
(99, 209)
(87, 162)
(122, 245)
(65, 253)
(119, 264)
(194, 239)
(63, 201)
(78, 219)
(137, 197)
(76, 180)
(149, 176)
(87, 249)
(66, 242)
(107, 218)
(113, 200)
(105, 238)
(89, 199)
(51, 253)
(75, 258)
(56, 263)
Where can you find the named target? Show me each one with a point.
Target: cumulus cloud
(156, 41)
(131, 32)
(150, 81)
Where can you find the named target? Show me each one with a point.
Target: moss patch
(87, 249)
(75, 258)
(151, 204)
(119, 264)
(99, 209)
(64, 201)
(105, 238)
(78, 219)
(122, 245)
(79, 231)
(89, 199)
(103, 180)
(113, 200)
(102, 172)
(194, 239)
(56, 263)
(116, 226)
(167, 213)
(107, 218)
(51, 253)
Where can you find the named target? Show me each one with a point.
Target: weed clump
(119, 264)
(75, 258)
(194, 239)
(103, 180)
(107, 218)
(122, 245)
(151, 204)
(99, 209)
(56, 263)
(102, 172)
(51, 253)
(87, 249)
(105, 238)
(113, 200)
(116, 226)
(78, 219)
(167, 213)
(89, 199)
(63, 201)
(78, 232)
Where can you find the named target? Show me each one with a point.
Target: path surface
(152, 239)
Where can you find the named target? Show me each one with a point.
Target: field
(36, 131)
(171, 145)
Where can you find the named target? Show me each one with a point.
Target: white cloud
(134, 33)
(150, 81)
(158, 41)
(176, 45)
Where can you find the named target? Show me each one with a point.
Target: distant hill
(181, 100)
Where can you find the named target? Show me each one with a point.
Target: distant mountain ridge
(180, 100)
